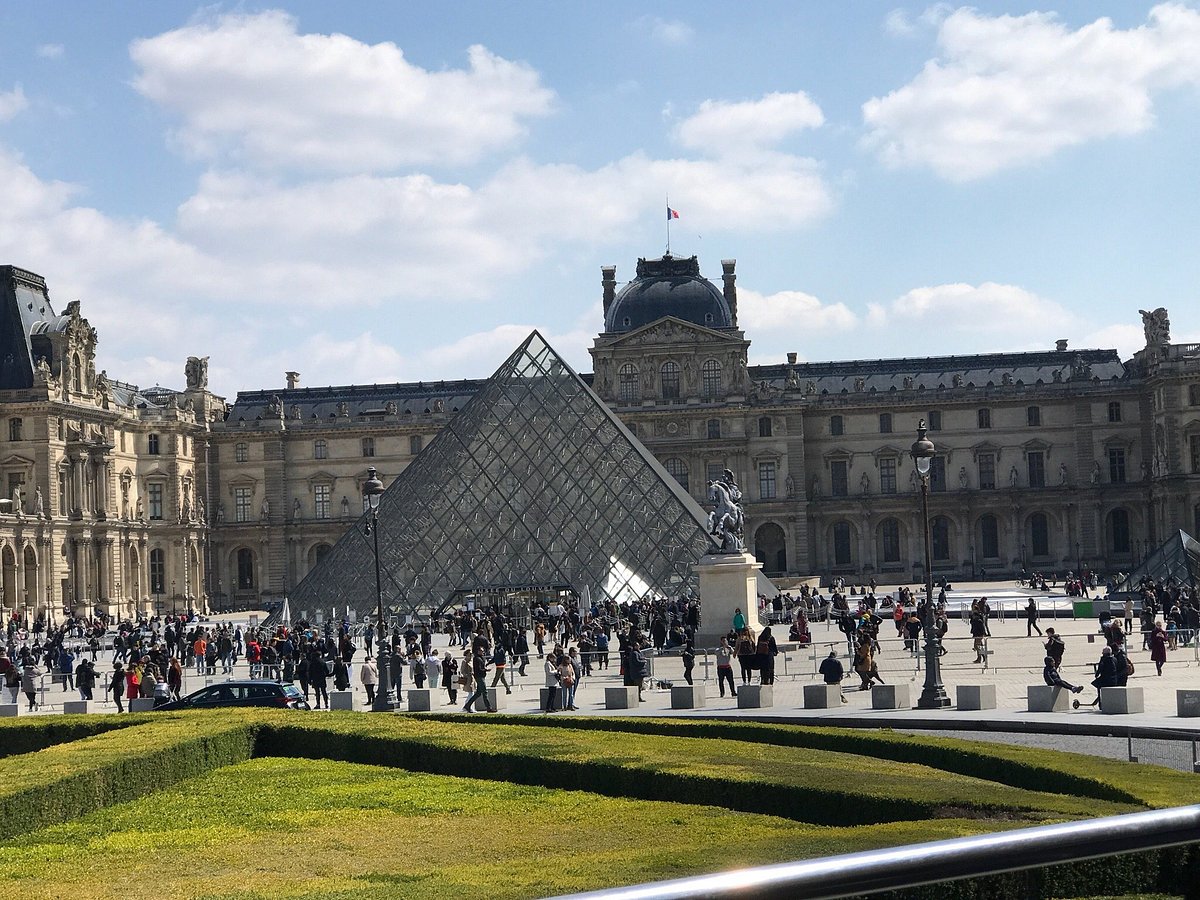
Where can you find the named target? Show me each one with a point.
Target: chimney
(1061, 345)
(608, 279)
(293, 379)
(791, 359)
(730, 289)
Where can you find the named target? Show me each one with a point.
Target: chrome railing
(916, 864)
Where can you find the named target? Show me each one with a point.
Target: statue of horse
(726, 521)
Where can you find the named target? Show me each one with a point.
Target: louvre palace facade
(1052, 459)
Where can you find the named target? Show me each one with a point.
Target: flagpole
(668, 224)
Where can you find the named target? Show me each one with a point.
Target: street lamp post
(933, 695)
(372, 491)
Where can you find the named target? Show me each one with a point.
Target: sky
(374, 192)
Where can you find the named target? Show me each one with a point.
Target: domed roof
(668, 287)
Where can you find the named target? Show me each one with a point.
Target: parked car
(241, 693)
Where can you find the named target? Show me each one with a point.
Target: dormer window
(708, 318)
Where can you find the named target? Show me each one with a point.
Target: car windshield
(292, 692)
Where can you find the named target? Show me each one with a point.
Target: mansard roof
(411, 398)
(24, 302)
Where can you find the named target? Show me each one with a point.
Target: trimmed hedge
(1030, 768)
(32, 734)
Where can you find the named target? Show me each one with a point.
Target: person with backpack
(499, 661)
(766, 650)
(85, 679)
(1055, 647)
(12, 677)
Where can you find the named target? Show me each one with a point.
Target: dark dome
(668, 287)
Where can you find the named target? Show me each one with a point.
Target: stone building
(1049, 459)
(103, 482)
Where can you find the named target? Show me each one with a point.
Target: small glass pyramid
(1176, 560)
(535, 485)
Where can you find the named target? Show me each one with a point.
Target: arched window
(842, 550)
(627, 383)
(670, 380)
(1118, 531)
(710, 379)
(989, 537)
(770, 548)
(678, 470)
(939, 533)
(245, 569)
(764, 426)
(158, 572)
(889, 541)
(1039, 534)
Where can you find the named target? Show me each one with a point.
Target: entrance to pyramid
(535, 489)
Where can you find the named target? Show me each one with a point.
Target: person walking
(688, 656)
(368, 674)
(864, 664)
(979, 635)
(1031, 619)
(175, 678)
(725, 668)
(30, 674)
(550, 668)
(766, 650)
(66, 666)
(12, 675)
(318, 678)
(1158, 646)
(500, 662)
(85, 679)
(479, 670)
(116, 686)
(449, 671)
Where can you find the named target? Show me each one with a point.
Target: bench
(624, 697)
(1121, 701)
(975, 696)
(341, 700)
(890, 696)
(419, 700)
(822, 696)
(1048, 698)
(755, 696)
(1187, 704)
(687, 696)
(77, 707)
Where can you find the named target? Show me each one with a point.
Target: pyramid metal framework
(534, 485)
(1176, 560)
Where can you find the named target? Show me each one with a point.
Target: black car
(241, 693)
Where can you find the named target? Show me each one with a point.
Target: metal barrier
(930, 863)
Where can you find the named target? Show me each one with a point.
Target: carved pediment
(321, 477)
(16, 461)
(671, 330)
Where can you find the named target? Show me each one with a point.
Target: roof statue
(1157, 326)
(534, 483)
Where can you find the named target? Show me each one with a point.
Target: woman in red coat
(1158, 646)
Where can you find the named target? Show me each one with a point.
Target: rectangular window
(1114, 411)
(320, 449)
(714, 471)
(1033, 416)
(766, 480)
(841, 544)
(935, 420)
(241, 452)
(321, 498)
(987, 472)
(839, 477)
(889, 534)
(1116, 466)
(152, 444)
(989, 534)
(764, 426)
(1037, 468)
(415, 444)
(368, 446)
(14, 429)
(15, 480)
(837, 426)
(984, 418)
(1194, 443)
(155, 495)
(937, 474)
(714, 429)
(885, 423)
(887, 475)
(242, 496)
(1194, 394)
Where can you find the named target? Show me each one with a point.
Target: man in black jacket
(480, 669)
(832, 670)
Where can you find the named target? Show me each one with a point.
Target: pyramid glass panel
(534, 484)
(1176, 561)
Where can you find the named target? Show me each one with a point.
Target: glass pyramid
(1176, 560)
(535, 485)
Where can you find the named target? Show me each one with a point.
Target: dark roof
(410, 398)
(24, 302)
(667, 287)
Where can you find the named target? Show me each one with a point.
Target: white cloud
(721, 127)
(670, 32)
(898, 24)
(1001, 311)
(11, 103)
(252, 86)
(51, 51)
(1010, 90)
(796, 311)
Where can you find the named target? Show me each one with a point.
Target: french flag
(671, 214)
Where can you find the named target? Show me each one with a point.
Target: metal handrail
(916, 864)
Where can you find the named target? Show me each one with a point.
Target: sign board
(354, 617)
(254, 621)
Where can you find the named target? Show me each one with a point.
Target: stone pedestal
(341, 700)
(975, 696)
(1048, 698)
(497, 699)
(8, 710)
(687, 696)
(890, 696)
(728, 582)
(141, 704)
(755, 696)
(624, 697)
(1121, 701)
(822, 696)
(77, 707)
(418, 700)
(1187, 704)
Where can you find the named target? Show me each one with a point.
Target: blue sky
(377, 191)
